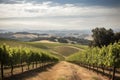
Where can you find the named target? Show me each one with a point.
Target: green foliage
(102, 37)
(3, 54)
(106, 56)
(36, 46)
(15, 55)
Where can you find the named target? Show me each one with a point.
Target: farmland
(72, 53)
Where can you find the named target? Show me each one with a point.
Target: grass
(45, 45)
(65, 50)
(61, 49)
(58, 49)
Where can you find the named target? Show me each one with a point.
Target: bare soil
(62, 71)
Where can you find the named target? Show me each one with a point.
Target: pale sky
(59, 14)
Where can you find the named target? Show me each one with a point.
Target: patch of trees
(44, 38)
(78, 40)
(54, 39)
(72, 40)
(102, 36)
(62, 40)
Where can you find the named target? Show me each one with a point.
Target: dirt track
(63, 71)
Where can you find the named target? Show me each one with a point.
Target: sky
(59, 14)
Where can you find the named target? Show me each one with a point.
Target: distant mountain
(48, 31)
(30, 35)
(2, 31)
(23, 36)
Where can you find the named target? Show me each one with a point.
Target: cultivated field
(50, 70)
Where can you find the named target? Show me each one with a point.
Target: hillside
(66, 50)
(59, 49)
(62, 70)
(63, 49)
(62, 37)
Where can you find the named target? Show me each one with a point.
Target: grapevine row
(12, 56)
(105, 57)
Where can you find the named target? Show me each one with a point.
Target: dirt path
(64, 71)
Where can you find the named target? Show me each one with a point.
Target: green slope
(59, 49)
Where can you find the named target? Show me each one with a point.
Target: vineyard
(19, 57)
(12, 57)
(105, 59)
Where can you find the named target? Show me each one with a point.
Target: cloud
(12, 1)
(55, 16)
(46, 10)
(32, 10)
(106, 3)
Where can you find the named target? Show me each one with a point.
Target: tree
(117, 36)
(102, 37)
(62, 40)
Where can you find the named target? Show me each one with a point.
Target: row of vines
(107, 57)
(17, 56)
